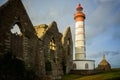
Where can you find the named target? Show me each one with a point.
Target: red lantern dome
(79, 15)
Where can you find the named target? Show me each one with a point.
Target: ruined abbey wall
(43, 47)
(12, 13)
(67, 50)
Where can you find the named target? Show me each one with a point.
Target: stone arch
(18, 27)
(86, 66)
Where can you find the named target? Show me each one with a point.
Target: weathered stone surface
(67, 51)
(25, 47)
(54, 56)
(43, 48)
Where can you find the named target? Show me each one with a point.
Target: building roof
(104, 61)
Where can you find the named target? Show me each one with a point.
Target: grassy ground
(110, 75)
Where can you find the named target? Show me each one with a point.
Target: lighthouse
(79, 18)
(80, 62)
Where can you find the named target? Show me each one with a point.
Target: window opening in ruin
(52, 44)
(48, 67)
(68, 46)
(86, 66)
(64, 67)
(68, 41)
(16, 30)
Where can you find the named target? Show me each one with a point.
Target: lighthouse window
(52, 44)
(86, 66)
(74, 66)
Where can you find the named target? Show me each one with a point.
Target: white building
(80, 62)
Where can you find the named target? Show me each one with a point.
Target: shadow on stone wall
(12, 68)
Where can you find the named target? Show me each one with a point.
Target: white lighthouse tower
(80, 62)
(79, 34)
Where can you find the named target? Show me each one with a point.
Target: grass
(114, 74)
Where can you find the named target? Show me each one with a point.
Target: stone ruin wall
(11, 13)
(28, 47)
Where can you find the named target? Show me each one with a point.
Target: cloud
(115, 61)
(107, 53)
(43, 14)
(53, 12)
(106, 15)
(111, 56)
(110, 53)
(116, 18)
(32, 12)
(116, 34)
(2, 2)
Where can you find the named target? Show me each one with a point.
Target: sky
(102, 23)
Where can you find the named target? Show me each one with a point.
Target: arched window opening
(86, 66)
(16, 40)
(68, 41)
(68, 46)
(52, 44)
(16, 30)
